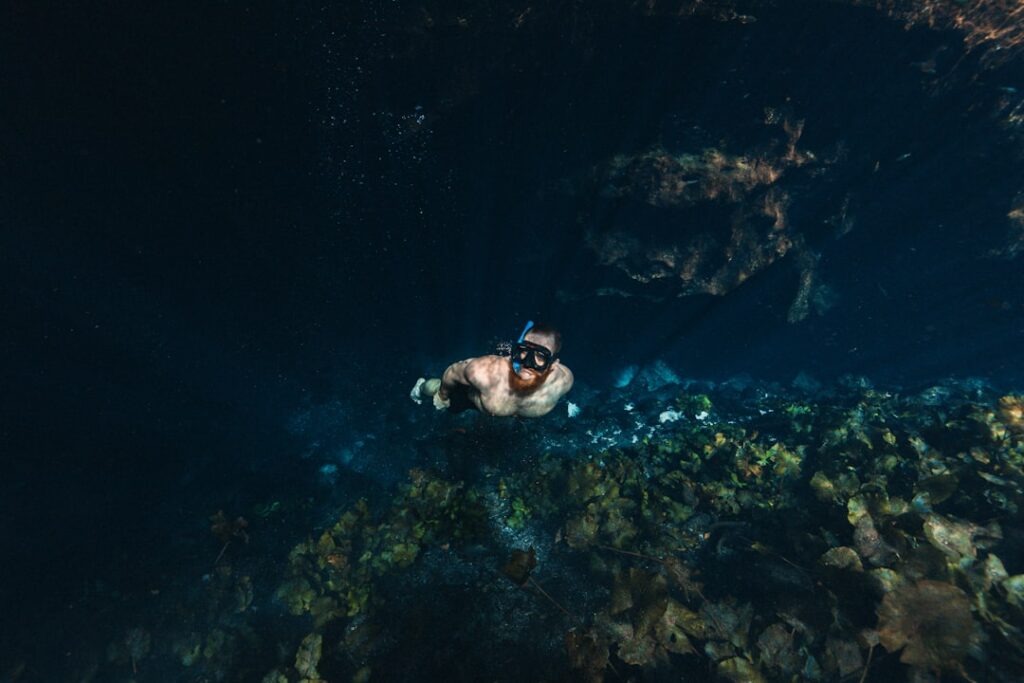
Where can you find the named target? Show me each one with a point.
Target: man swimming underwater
(523, 378)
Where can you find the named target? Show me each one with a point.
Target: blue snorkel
(529, 324)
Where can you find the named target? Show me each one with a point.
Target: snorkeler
(523, 378)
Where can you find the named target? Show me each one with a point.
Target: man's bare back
(501, 386)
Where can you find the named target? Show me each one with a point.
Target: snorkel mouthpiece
(529, 325)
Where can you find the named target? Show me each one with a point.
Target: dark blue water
(232, 237)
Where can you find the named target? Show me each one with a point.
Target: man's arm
(453, 377)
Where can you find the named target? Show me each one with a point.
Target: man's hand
(440, 402)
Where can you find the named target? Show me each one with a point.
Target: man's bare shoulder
(485, 370)
(564, 380)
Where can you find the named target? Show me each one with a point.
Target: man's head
(548, 337)
(533, 358)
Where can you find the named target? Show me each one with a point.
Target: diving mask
(525, 353)
(529, 355)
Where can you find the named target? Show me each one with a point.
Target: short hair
(552, 336)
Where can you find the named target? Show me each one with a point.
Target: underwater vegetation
(712, 256)
(761, 534)
(992, 27)
(756, 187)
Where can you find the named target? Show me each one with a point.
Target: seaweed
(848, 534)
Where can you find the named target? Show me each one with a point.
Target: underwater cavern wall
(855, 169)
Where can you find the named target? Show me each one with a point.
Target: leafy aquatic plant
(645, 622)
(930, 621)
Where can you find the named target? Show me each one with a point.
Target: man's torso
(492, 393)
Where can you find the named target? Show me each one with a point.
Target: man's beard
(525, 387)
